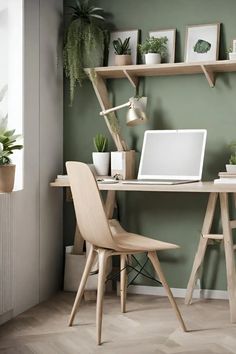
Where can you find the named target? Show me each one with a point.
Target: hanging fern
(85, 40)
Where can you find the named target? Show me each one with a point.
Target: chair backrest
(89, 209)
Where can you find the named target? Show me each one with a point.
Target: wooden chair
(107, 240)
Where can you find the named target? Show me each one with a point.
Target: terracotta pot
(7, 178)
(123, 60)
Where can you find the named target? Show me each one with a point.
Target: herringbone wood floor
(149, 326)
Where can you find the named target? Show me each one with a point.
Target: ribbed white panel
(6, 253)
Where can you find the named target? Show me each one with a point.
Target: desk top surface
(198, 187)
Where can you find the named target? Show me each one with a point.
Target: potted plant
(154, 49)
(101, 158)
(122, 51)
(7, 146)
(231, 167)
(84, 43)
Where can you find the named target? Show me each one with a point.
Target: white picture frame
(171, 35)
(133, 34)
(202, 43)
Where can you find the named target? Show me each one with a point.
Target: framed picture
(171, 35)
(133, 43)
(234, 46)
(202, 43)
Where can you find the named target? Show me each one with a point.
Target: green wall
(177, 102)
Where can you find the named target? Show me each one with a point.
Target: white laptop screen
(172, 154)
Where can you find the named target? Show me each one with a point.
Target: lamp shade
(136, 113)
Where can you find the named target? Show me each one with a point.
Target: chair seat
(132, 242)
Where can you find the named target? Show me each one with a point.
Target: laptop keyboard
(156, 181)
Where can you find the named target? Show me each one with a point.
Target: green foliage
(100, 142)
(122, 48)
(232, 159)
(7, 142)
(154, 45)
(84, 45)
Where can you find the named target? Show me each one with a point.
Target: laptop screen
(172, 154)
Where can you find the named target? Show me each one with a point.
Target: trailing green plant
(232, 159)
(100, 142)
(154, 45)
(8, 144)
(122, 48)
(84, 43)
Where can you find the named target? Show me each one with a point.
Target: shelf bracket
(132, 79)
(210, 76)
(100, 88)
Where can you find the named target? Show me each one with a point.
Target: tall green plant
(84, 45)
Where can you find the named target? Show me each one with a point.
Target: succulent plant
(122, 48)
(100, 142)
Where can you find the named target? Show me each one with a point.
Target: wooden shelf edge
(132, 72)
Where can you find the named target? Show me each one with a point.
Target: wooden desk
(214, 191)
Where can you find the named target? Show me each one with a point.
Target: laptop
(171, 157)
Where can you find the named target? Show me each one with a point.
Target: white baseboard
(177, 292)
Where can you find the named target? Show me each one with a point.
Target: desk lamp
(136, 111)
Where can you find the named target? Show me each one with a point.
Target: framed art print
(171, 35)
(202, 43)
(133, 43)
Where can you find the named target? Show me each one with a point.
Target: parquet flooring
(148, 327)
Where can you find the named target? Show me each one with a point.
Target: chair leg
(87, 269)
(156, 264)
(102, 259)
(123, 282)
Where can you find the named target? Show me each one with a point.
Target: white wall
(36, 210)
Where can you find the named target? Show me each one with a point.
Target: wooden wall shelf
(133, 72)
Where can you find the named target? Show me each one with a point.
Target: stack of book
(226, 178)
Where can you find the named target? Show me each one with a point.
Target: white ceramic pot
(230, 168)
(232, 56)
(152, 58)
(101, 161)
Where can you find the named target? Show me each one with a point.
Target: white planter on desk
(101, 161)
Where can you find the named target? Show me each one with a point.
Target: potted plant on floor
(154, 49)
(101, 158)
(7, 146)
(122, 51)
(231, 167)
(85, 41)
